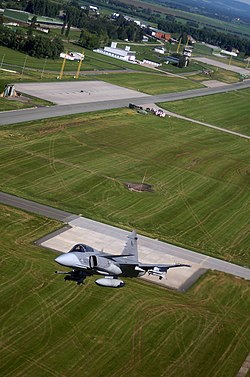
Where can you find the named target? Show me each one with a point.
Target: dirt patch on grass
(139, 187)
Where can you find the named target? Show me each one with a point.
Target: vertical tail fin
(131, 246)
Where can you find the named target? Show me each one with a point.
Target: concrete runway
(26, 115)
(112, 240)
(73, 92)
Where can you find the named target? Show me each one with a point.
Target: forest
(37, 46)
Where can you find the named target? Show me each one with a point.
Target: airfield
(58, 328)
(26, 115)
(112, 239)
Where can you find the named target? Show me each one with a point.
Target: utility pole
(2, 60)
(24, 64)
(79, 65)
(44, 66)
(63, 65)
(179, 45)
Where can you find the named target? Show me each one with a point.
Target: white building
(150, 63)
(91, 8)
(160, 50)
(72, 56)
(230, 53)
(188, 51)
(137, 22)
(118, 53)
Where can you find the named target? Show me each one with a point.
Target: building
(118, 53)
(172, 59)
(72, 56)
(150, 63)
(188, 51)
(42, 29)
(229, 53)
(159, 34)
(160, 50)
(91, 8)
(177, 60)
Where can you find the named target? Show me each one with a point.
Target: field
(220, 74)
(80, 163)
(10, 104)
(150, 83)
(16, 60)
(52, 328)
(236, 28)
(145, 82)
(227, 110)
(202, 49)
(239, 62)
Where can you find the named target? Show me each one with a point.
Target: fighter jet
(86, 261)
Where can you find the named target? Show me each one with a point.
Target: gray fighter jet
(86, 261)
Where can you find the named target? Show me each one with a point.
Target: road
(94, 227)
(19, 116)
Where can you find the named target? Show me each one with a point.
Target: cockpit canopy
(81, 248)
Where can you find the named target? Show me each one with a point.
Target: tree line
(99, 30)
(96, 30)
(37, 46)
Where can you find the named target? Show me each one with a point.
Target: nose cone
(68, 260)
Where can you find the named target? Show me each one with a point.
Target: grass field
(150, 83)
(52, 328)
(10, 104)
(80, 163)
(216, 73)
(219, 74)
(202, 49)
(16, 60)
(227, 110)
